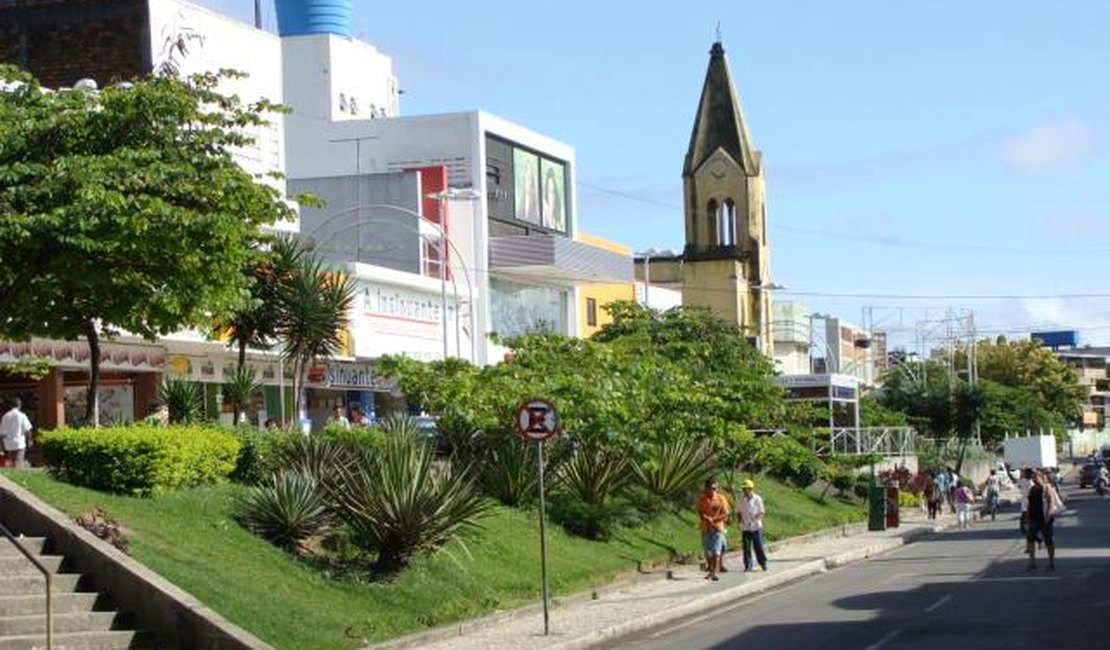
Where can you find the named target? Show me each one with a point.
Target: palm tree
(255, 323)
(315, 306)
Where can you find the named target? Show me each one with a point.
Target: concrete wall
(179, 620)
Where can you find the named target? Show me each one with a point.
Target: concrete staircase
(83, 618)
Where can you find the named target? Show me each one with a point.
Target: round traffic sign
(537, 420)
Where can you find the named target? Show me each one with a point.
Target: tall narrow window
(730, 223)
(714, 223)
(591, 312)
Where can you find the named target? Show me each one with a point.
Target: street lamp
(443, 196)
(426, 230)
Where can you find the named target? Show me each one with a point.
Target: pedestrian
(358, 418)
(1042, 507)
(749, 512)
(15, 429)
(338, 419)
(712, 509)
(944, 483)
(953, 484)
(962, 498)
(159, 416)
(933, 498)
(1025, 483)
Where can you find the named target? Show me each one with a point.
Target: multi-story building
(436, 274)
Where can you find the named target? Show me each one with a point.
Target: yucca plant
(185, 400)
(317, 457)
(400, 424)
(674, 469)
(404, 503)
(594, 475)
(510, 476)
(238, 391)
(288, 510)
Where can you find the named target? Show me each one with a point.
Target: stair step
(32, 544)
(110, 640)
(64, 603)
(30, 585)
(21, 565)
(63, 623)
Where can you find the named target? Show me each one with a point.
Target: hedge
(140, 459)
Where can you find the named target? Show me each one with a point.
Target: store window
(518, 308)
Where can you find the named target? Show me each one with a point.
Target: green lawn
(190, 538)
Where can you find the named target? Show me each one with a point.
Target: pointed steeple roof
(719, 122)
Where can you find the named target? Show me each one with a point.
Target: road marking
(937, 604)
(883, 641)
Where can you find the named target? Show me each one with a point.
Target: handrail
(49, 583)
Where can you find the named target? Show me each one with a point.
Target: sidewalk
(654, 599)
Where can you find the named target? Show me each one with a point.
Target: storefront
(130, 372)
(349, 385)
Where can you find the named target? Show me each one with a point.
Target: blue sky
(943, 148)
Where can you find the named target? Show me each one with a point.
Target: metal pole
(543, 537)
(443, 300)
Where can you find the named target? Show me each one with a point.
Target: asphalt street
(960, 589)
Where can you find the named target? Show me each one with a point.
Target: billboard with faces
(526, 186)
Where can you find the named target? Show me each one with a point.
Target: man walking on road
(15, 429)
(750, 511)
(713, 515)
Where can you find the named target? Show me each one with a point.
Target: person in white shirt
(337, 418)
(16, 431)
(750, 512)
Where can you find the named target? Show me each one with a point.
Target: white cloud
(1088, 316)
(1049, 146)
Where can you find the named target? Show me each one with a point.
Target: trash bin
(892, 506)
(876, 508)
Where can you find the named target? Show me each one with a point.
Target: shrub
(595, 521)
(315, 456)
(288, 510)
(141, 459)
(258, 453)
(843, 481)
(594, 475)
(402, 503)
(908, 499)
(368, 437)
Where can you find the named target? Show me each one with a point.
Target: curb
(699, 606)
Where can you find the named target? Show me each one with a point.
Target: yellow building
(592, 298)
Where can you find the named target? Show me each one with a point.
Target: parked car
(1087, 474)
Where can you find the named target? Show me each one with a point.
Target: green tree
(1052, 385)
(123, 209)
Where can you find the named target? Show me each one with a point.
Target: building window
(591, 312)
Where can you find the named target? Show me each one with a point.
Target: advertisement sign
(526, 181)
(554, 196)
(1058, 339)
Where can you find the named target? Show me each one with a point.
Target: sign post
(536, 421)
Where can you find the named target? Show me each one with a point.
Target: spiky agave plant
(403, 503)
(288, 510)
(674, 469)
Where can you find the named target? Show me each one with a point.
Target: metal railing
(888, 441)
(49, 583)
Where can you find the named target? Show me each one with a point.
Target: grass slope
(189, 538)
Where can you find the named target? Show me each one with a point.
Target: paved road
(962, 589)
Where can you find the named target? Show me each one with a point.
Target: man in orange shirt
(713, 514)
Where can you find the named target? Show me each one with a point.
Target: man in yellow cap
(749, 512)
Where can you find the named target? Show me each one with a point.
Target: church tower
(726, 265)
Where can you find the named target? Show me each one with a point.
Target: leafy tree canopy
(123, 209)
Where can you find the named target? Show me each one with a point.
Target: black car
(1087, 474)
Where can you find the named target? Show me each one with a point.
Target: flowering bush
(97, 522)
